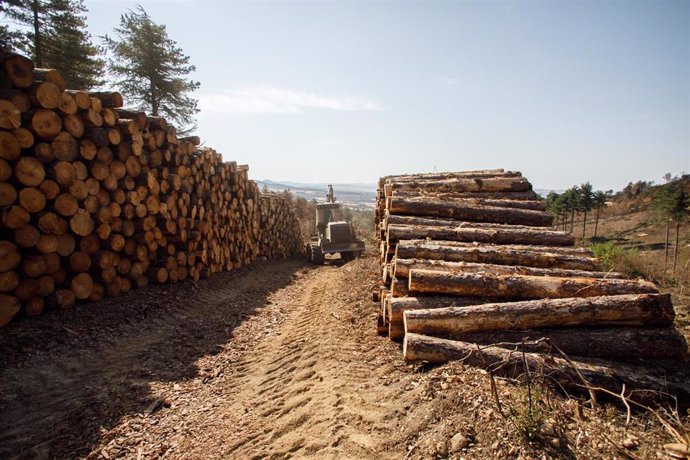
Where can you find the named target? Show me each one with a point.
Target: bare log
(424, 206)
(402, 267)
(618, 310)
(497, 235)
(641, 383)
(522, 287)
(536, 256)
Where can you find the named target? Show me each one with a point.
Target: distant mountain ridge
(357, 195)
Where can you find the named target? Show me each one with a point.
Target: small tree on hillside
(672, 202)
(679, 201)
(551, 202)
(586, 202)
(152, 69)
(572, 203)
(599, 199)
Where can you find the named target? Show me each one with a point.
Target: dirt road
(276, 360)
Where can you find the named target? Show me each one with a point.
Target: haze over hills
(356, 196)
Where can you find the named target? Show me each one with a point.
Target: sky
(346, 92)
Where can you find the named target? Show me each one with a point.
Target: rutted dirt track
(277, 359)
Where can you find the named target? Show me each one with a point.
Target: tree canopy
(53, 33)
(151, 70)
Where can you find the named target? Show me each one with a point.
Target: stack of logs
(280, 235)
(96, 199)
(469, 260)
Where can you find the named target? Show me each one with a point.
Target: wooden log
(45, 94)
(50, 75)
(424, 206)
(66, 205)
(29, 171)
(9, 281)
(10, 115)
(81, 98)
(21, 101)
(465, 184)
(497, 235)
(108, 99)
(46, 123)
(31, 199)
(479, 173)
(5, 170)
(618, 310)
(520, 287)
(9, 307)
(469, 198)
(26, 236)
(623, 344)
(9, 256)
(14, 217)
(641, 383)
(499, 255)
(402, 267)
(82, 286)
(8, 194)
(24, 137)
(139, 117)
(19, 69)
(65, 147)
(397, 306)
(67, 104)
(65, 298)
(9, 146)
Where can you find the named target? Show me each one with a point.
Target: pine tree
(56, 37)
(600, 199)
(69, 48)
(152, 70)
(672, 202)
(679, 201)
(586, 203)
(10, 39)
(34, 16)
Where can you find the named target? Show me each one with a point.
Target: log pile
(96, 199)
(469, 259)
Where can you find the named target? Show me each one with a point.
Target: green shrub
(619, 259)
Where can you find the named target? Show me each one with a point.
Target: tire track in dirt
(302, 391)
(274, 362)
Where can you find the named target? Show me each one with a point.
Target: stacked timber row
(96, 199)
(280, 235)
(469, 258)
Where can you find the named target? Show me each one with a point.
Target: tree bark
(465, 184)
(641, 382)
(623, 344)
(675, 248)
(471, 212)
(498, 234)
(401, 269)
(618, 310)
(522, 287)
(501, 255)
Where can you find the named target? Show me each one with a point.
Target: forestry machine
(333, 233)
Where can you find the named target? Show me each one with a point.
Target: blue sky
(565, 92)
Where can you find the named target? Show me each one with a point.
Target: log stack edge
(96, 199)
(470, 259)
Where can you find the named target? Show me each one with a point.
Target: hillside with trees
(641, 230)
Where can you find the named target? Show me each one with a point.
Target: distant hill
(356, 196)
